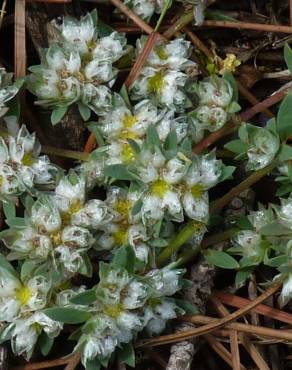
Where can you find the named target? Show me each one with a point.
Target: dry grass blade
(44, 364)
(2, 12)
(235, 301)
(212, 325)
(136, 69)
(19, 34)
(249, 26)
(284, 335)
(250, 348)
(233, 334)
(222, 351)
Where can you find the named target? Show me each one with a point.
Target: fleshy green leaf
(118, 172)
(227, 172)
(124, 94)
(84, 298)
(67, 315)
(58, 114)
(236, 146)
(9, 210)
(127, 354)
(221, 259)
(275, 229)
(230, 78)
(125, 257)
(84, 111)
(4, 264)
(45, 343)
(285, 153)
(137, 207)
(242, 275)
(152, 136)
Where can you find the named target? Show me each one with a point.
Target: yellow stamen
(123, 207)
(23, 295)
(56, 238)
(161, 52)
(129, 121)
(156, 83)
(127, 153)
(197, 191)
(159, 188)
(28, 159)
(120, 237)
(74, 208)
(113, 311)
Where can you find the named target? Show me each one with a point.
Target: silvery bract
(146, 8)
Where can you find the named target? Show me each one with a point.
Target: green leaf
(284, 117)
(218, 15)
(58, 114)
(277, 261)
(27, 268)
(285, 152)
(86, 268)
(166, 6)
(84, 111)
(17, 222)
(45, 343)
(4, 264)
(124, 94)
(170, 143)
(94, 128)
(243, 223)
(288, 56)
(67, 315)
(221, 259)
(127, 354)
(275, 229)
(134, 145)
(226, 173)
(93, 364)
(9, 210)
(242, 275)
(283, 190)
(125, 257)
(137, 207)
(234, 107)
(152, 136)
(188, 307)
(84, 298)
(230, 78)
(118, 172)
(236, 146)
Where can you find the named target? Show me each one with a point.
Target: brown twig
(249, 26)
(73, 362)
(44, 364)
(245, 328)
(19, 39)
(222, 351)
(233, 334)
(2, 12)
(213, 325)
(238, 302)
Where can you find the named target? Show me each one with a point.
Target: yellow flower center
(156, 83)
(113, 311)
(28, 159)
(161, 52)
(129, 121)
(120, 237)
(1, 180)
(127, 153)
(74, 208)
(123, 206)
(159, 188)
(56, 238)
(197, 190)
(23, 295)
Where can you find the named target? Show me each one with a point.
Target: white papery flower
(18, 297)
(26, 330)
(97, 98)
(214, 92)
(146, 8)
(250, 241)
(164, 86)
(164, 282)
(110, 47)
(285, 212)
(21, 168)
(156, 316)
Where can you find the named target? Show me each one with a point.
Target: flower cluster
(22, 169)
(215, 106)
(78, 69)
(124, 305)
(165, 74)
(145, 8)
(58, 229)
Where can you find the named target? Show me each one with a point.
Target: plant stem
(183, 236)
(179, 24)
(190, 254)
(71, 154)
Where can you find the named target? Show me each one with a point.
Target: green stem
(189, 254)
(71, 154)
(179, 24)
(192, 226)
